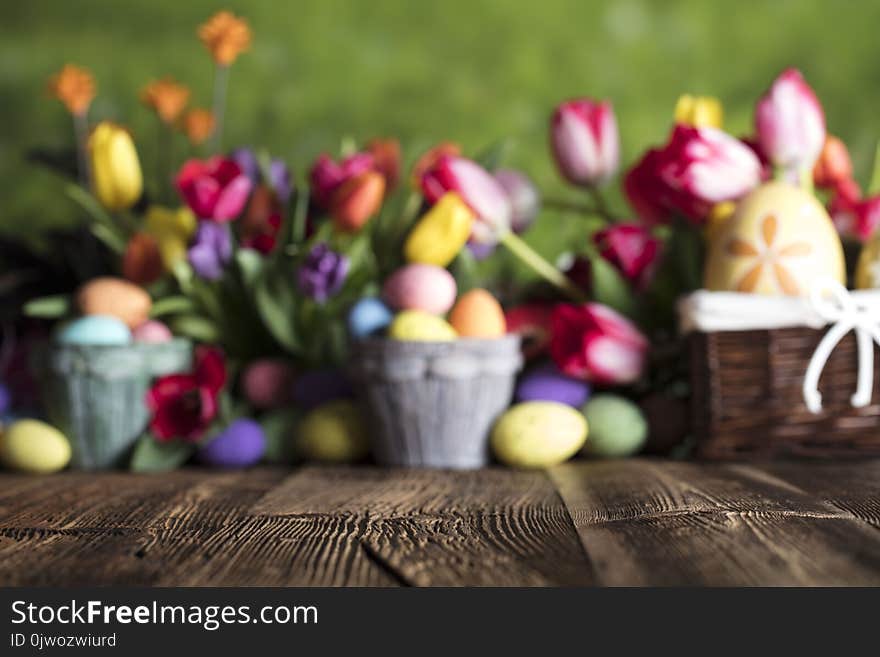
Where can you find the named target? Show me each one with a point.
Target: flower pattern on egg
(768, 253)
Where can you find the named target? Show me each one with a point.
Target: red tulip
(698, 168)
(632, 249)
(184, 405)
(594, 343)
(834, 165)
(852, 215)
(215, 189)
(476, 186)
(790, 123)
(585, 142)
(258, 228)
(531, 322)
(429, 158)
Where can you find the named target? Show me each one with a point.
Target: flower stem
(540, 266)
(601, 206)
(806, 179)
(81, 132)
(221, 82)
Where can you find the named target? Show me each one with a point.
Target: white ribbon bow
(833, 303)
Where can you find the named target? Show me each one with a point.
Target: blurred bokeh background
(472, 71)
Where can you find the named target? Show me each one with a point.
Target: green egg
(34, 447)
(335, 432)
(617, 426)
(538, 434)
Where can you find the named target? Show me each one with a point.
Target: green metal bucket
(95, 395)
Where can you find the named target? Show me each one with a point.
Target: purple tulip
(480, 251)
(211, 250)
(279, 179)
(246, 159)
(322, 273)
(585, 142)
(525, 200)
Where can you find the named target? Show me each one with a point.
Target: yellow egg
(335, 432)
(35, 447)
(478, 315)
(538, 434)
(419, 325)
(779, 241)
(868, 267)
(441, 233)
(115, 297)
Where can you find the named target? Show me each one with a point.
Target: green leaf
(493, 155)
(111, 229)
(48, 307)
(250, 264)
(196, 327)
(113, 241)
(152, 456)
(171, 306)
(464, 270)
(276, 302)
(280, 428)
(610, 288)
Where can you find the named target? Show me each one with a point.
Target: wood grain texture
(631, 522)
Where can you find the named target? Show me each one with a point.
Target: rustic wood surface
(634, 522)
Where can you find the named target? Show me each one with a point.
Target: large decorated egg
(779, 241)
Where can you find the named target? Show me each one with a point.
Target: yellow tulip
(699, 111)
(441, 233)
(116, 171)
(172, 230)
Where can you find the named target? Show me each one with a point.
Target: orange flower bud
(73, 86)
(430, 158)
(386, 154)
(198, 125)
(226, 36)
(142, 262)
(357, 200)
(834, 164)
(166, 97)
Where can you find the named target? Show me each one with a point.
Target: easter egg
(267, 383)
(420, 287)
(115, 297)
(317, 387)
(368, 317)
(547, 383)
(34, 446)
(335, 432)
(780, 240)
(94, 330)
(280, 428)
(617, 426)
(240, 445)
(441, 233)
(152, 332)
(538, 434)
(420, 326)
(478, 315)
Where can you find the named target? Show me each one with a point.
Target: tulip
(357, 200)
(142, 262)
(198, 125)
(593, 343)
(532, 323)
(699, 111)
(790, 123)
(698, 168)
(323, 272)
(165, 97)
(386, 155)
(631, 249)
(261, 222)
(441, 233)
(172, 230)
(215, 189)
(116, 171)
(429, 158)
(483, 194)
(585, 142)
(834, 165)
(211, 251)
(852, 215)
(524, 197)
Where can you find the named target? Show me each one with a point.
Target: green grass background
(468, 70)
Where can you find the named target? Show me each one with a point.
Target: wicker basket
(95, 395)
(748, 386)
(432, 404)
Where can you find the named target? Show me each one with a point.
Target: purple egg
(240, 445)
(5, 399)
(547, 383)
(311, 389)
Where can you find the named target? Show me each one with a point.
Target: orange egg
(478, 315)
(115, 297)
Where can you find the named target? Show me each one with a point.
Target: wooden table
(629, 522)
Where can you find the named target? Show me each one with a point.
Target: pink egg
(420, 287)
(268, 383)
(152, 331)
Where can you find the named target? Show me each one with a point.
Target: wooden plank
(490, 527)
(669, 523)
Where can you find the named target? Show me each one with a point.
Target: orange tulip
(73, 86)
(226, 36)
(357, 200)
(834, 164)
(199, 124)
(166, 97)
(386, 155)
(142, 262)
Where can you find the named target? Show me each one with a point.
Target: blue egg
(368, 317)
(240, 445)
(547, 383)
(94, 330)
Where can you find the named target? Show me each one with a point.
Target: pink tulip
(327, 176)
(525, 199)
(215, 189)
(594, 343)
(790, 123)
(631, 249)
(585, 142)
(476, 186)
